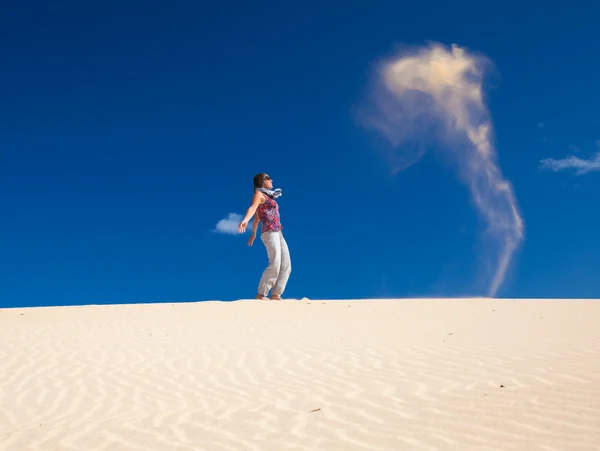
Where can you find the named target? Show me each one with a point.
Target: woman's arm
(256, 201)
(255, 224)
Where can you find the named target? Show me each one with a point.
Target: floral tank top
(268, 213)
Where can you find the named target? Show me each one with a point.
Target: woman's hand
(242, 226)
(251, 239)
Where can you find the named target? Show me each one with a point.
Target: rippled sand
(426, 374)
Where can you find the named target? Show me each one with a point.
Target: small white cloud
(581, 165)
(230, 224)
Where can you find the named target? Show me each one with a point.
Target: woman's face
(267, 182)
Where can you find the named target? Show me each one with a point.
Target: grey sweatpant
(278, 272)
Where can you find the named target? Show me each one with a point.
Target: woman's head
(262, 180)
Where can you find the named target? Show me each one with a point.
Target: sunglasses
(266, 177)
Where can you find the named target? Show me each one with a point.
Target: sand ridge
(422, 374)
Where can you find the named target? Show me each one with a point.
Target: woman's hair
(259, 180)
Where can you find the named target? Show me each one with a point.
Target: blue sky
(129, 129)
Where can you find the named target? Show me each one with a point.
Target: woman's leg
(284, 271)
(272, 243)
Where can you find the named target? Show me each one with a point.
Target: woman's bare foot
(276, 298)
(260, 297)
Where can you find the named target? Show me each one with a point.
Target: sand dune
(445, 374)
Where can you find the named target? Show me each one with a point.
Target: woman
(264, 208)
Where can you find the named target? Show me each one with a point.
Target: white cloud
(580, 165)
(229, 225)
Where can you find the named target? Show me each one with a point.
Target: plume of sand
(431, 97)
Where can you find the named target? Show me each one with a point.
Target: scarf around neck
(272, 193)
